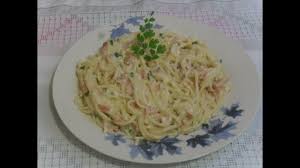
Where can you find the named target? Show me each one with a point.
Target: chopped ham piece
(103, 108)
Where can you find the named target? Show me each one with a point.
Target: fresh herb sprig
(116, 54)
(147, 46)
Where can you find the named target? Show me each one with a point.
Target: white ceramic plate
(237, 113)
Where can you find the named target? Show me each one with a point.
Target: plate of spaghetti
(156, 90)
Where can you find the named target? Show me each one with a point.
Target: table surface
(63, 22)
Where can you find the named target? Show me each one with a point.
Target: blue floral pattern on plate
(233, 111)
(218, 131)
(119, 31)
(134, 20)
(115, 138)
(149, 149)
(158, 26)
(123, 28)
(202, 140)
(214, 132)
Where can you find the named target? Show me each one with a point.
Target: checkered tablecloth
(63, 22)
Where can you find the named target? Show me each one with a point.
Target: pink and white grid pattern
(56, 153)
(65, 29)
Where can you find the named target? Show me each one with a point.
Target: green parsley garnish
(131, 74)
(116, 54)
(147, 46)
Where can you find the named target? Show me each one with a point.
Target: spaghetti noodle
(149, 100)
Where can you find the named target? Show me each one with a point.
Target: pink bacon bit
(203, 73)
(189, 115)
(83, 87)
(129, 89)
(155, 87)
(104, 108)
(143, 74)
(104, 49)
(212, 90)
(128, 58)
(135, 105)
(218, 86)
(152, 110)
(116, 129)
(124, 81)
